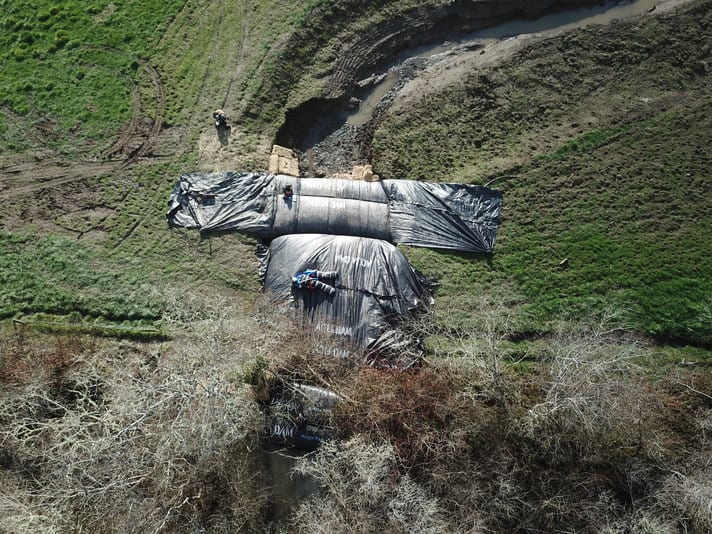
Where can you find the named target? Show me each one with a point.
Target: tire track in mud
(377, 45)
(58, 174)
(157, 124)
(275, 50)
(183, 18)
(215, 46)
(239, 62)
(153, 134)
(63, 171)
(217, 42)
(135, 141)
(118, 146)
(123, 144)
(23, 174)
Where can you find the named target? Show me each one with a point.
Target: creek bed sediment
(341, 134)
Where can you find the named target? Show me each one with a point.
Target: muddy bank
(334, 132)
(366, 51)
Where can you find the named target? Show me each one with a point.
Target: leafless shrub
(594, 405)
(642, 522)
(576, 442)
(704, 426)
(363, 492)
(413, 410)
(570, 443)
(687, 500)
(27, 354)
(477, 356)
(294, 352)
(136, 438)
(160, 437)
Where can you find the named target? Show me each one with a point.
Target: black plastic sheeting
(376, 291)
(447, 216)
(299, 416)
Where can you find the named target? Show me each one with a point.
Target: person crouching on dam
(312, 279)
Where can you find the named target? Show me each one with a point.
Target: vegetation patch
(73, 63)
(56, 275)
(584, 143)
(76, 324)
(618, 214)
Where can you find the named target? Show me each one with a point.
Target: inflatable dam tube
(375, 290)
(447, 216)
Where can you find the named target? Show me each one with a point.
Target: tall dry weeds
(575, 435)
(362, 491)
(157, 438)
(577, 440)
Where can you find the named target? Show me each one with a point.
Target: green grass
(623, 196)
(626, 203)
(125, 275)
(584, 143)
(57, 275)
(73, 63)
(74, 323)
(79, 93)
(640, 243)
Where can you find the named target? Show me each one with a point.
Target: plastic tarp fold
(448, 216)
(436, 215)
(376, 289)
(223, 201)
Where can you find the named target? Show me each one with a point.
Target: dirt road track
(44, 168)
(28, 178)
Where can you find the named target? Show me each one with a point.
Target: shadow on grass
(481, 257)
(224, 135)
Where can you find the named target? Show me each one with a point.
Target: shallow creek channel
(560, 20)
(340, 136)
(289, 488)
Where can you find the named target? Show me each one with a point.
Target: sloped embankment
(340, 43)
(600, 137)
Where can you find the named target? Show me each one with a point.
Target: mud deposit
(342, 132)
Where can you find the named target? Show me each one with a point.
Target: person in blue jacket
(312, 279)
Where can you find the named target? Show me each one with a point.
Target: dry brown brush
(586, 437)
(363, 491)
(149, 438)
(579, 434)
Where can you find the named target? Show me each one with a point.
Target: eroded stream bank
(333, 134)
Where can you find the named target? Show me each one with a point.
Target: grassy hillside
(71, 64)
(599, 140)
(92, 82)
(96, 244)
